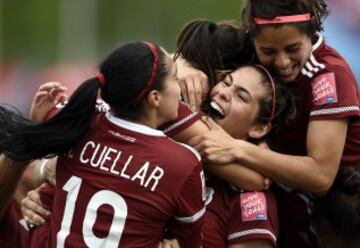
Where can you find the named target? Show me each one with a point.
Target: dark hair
(285, 108)
(210, 46)
(268, 9)
(126, 70)
(338, 212)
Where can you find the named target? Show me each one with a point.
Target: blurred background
(63, 40)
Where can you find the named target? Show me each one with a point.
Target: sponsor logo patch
(324, 89)
(253, 206)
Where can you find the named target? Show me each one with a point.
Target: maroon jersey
(325, 89)
(39, 235)
(123, 184)
(234, 217)
(14, 232)
(185, 118)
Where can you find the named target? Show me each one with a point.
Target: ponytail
(22, 140)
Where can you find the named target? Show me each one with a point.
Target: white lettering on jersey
(106, 159)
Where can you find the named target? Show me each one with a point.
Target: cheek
(264, 60)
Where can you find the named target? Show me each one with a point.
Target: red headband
(101, 78)
(154, 73)
(272, 114)
(283, 19)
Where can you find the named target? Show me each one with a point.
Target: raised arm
(313, 173)
(233, 172)
(193, 83)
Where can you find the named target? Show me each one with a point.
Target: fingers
(183, 88)
(33, 212)
(194, 89)
(50, 85)
(267, 183)
(212, 125)
(198, 92)
(190, 88)
(169, 243)
(205, 87)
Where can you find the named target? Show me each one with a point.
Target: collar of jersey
(139, 128)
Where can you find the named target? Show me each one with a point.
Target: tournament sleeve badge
(324, 89)
(253, 206)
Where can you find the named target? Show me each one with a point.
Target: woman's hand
(216, 146)
(47, 97)
(32, 210)
(193, 83)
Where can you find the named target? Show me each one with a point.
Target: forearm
(10, 175)
(301, 172)
(239, 176)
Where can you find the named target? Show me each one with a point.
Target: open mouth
(215, 111)
(286, 72)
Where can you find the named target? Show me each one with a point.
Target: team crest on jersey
(253, 206)
(324, 89)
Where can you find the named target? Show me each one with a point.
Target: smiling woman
(287, 41)
(114, 164)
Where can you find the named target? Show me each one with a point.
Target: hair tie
(272, 114)
(101, 79)
(283, 19)
(154, 74)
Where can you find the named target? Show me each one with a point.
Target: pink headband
(101, 78)
(272, 114)
(154, 73)
(283, 19)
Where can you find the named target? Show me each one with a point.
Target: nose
(282, 61)
(225, 93)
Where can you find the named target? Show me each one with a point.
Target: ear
(259, 130)
(154, 98)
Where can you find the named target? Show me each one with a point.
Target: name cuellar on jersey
(123, 185)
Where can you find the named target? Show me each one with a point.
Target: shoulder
(180, 155)
(186, 117)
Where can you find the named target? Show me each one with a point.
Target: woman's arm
(10, 175)
(234, 173)
(314, 173)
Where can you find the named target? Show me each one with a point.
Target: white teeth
(216, 106)
(286, 72)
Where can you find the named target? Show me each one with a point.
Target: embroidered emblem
(324, 89)
(253, 206)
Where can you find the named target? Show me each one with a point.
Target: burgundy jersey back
(14, 232)
(234, 217)
(325, 89)
(39, 235)
(122, 184)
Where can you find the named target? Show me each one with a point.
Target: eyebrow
(245, 91)
(287, 47)
(239, 88)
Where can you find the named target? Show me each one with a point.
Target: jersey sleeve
(186, 117)
(255, 217)
(334, 94)
(188, 220)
